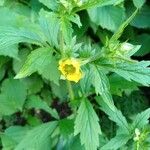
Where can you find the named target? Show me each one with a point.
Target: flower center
(69, 69)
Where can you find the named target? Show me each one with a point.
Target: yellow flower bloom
(70, 69)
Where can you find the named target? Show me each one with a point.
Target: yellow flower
(70, 69)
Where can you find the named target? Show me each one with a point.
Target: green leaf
(131, 71)
(144, 14)
(132, 51)
(114, 115)
(80, 31)
(7, 142)
(3, 60)
(74, 144)
(51, 4)
(101, 84)
(38, 138)
(116, 142)
(10, 19)
(144, 40)
(66, 29)
(97, 3)
(139, 3)
(2, 72)
(86, 124)
(22, 56)
(10, 36)
(76, 19)
(121, 28)
(37, 103)
(12, 136)
(49, 23)
(12, 97)
(86, 82)
(45, 65)
(33, 83)
(66, 127)
(117, 89)
(108, 17)
(71, 143)
(47, 96)
(11, 51)
(60, 91)
(111, 2)
(16, 132)
(33, 121)
(1, 2)
(141, 119)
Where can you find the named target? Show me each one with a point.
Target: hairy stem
(71, 93)
(61, 44)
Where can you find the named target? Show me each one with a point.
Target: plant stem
(61, 43)
(71, 93)
(72, 98)
(137, 146)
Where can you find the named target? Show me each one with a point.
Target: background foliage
(109, 109)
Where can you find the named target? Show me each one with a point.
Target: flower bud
(137, 135)
(137, 132)
(126, 46)
(64, 3)
(78, 2)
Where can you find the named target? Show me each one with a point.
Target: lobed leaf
(115, 115)
(131, 71)
(139, 3)
(141, 119)
(86, 124)
(101, 84)
(51, 4)
(38, 138)
(37, 103)
(12, 97)
(10, 36)
(12, 136)
(50, 26)
(143, 15)
(45, 65)
(108, 17)
(116, 142)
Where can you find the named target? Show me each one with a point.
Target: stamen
(69, 69)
